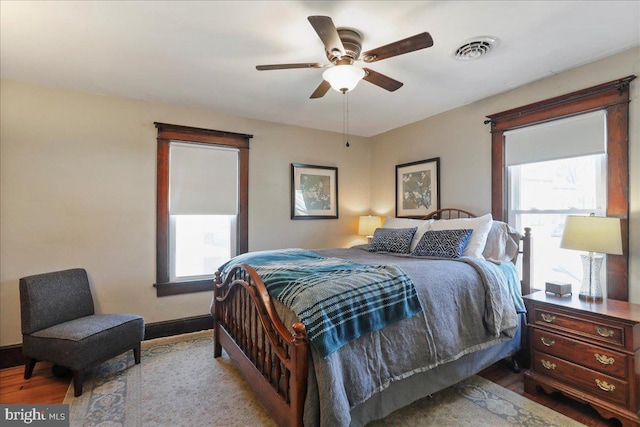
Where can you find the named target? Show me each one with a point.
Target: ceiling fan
(343, 47)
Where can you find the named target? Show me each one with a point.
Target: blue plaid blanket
(337, 300)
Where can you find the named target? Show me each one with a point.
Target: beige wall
(463, 143)
(78, 189)
(77, 183)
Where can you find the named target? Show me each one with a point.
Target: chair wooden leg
(78, 380)
(136, 354)
(28, 368)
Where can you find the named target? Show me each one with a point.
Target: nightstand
(588, 351)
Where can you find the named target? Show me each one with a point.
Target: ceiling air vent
(474, 48)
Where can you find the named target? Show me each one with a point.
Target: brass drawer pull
(547, 341)
(604, 332)
(548, 317)
(549, 365)
(605, 385)
(605, 360)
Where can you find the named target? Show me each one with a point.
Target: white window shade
(576, 136)
(203, 180)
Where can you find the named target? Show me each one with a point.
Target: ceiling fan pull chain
(344, 119)
(347, 120)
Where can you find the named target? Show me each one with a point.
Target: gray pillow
(503, 243)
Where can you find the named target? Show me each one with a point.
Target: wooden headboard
(449, 213)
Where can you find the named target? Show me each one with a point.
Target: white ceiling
(202, 54)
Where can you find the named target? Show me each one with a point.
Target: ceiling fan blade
(321, 90)
(327, 33)
(287, 66)
(381, 80)
(417, 42)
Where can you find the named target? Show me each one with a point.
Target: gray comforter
(467, 305)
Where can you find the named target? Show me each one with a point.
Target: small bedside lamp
(592, 234)
(367, 226)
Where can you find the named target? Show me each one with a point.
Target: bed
(470, 316)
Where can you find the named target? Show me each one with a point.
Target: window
(541, 195)
(554, 170)
(200, 244)
(202, 198)
(203, 204)
(612, 97)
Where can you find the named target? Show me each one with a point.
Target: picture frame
(314, 192)
(418, 188)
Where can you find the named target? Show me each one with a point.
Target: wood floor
(43, 388)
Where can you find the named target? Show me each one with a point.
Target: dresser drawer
(586, 327)
(597, 358)
(590, 381)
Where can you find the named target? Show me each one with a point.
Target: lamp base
(591, 289)
(590, 298)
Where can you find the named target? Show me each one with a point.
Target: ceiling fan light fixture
(343, 78)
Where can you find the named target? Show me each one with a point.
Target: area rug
(179, 383)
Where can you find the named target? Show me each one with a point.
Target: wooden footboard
(268, 356)
(274, 361)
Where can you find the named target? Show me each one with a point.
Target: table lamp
(367, 226)
(596, 235)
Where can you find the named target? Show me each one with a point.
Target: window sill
(186, 287)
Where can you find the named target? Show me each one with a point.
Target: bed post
(217, 347)
(300, 362)
(527, 262)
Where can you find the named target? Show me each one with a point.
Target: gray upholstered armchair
(59, 325)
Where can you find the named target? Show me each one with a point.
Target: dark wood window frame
(612, 97)
(166, 134)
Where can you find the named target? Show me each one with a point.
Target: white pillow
(480, 226)
(423, 225)
(393, 222)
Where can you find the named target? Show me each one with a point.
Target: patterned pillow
(396, 240)
(443, 243)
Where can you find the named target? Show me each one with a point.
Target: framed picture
(418, 188)
(314, 192)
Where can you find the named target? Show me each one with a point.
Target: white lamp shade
(343, 78)
(592, 234)
(368, 224)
